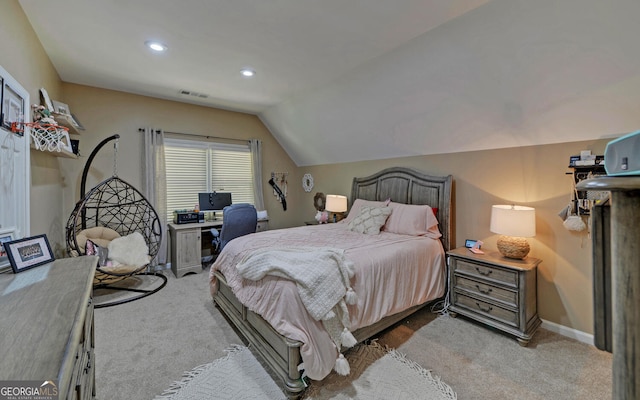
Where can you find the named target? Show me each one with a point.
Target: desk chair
(237, 220)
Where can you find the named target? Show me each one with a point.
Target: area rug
(380, 373)
(376, 373)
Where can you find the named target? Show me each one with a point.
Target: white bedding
(392, 273)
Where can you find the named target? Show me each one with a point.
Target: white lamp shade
(510, 220)
(336, 203)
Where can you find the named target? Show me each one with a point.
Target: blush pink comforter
(392, 273)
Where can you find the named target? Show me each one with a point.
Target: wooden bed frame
(281, 356)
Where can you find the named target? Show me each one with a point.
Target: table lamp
(514, 223)
(335, 204)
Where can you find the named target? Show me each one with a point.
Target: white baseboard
(568, 332)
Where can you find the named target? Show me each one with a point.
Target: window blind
(194, 167)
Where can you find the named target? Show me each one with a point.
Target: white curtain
(256, 161)
(155, 183)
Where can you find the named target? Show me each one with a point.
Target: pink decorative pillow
(414, 220)
(358, 204)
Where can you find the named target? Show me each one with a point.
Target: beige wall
(533, 176)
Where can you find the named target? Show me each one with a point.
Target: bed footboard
(281, 355)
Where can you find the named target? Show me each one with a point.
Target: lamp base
(513, 247)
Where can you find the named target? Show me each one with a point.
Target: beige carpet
(144, 346)
(376, 373)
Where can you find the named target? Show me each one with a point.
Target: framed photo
(76, 123)
(60, 107)
(45, 100)
(28, 252)
(6, 235)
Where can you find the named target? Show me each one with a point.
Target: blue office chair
(237, 220)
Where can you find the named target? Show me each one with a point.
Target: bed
(262, 309)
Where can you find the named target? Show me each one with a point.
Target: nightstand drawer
(482, 289)
(487, 309)
(487, 272)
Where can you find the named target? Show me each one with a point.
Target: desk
(186, 244)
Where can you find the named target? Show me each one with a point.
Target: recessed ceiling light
(247, 72)
(155, 46)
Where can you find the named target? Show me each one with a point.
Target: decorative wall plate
(307, 182)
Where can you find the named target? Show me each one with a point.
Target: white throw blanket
(322, 276)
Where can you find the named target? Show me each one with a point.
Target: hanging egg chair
(118, 224)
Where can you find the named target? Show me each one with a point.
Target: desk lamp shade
(336, 203)
(514, 223)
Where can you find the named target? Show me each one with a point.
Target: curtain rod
(200, 136)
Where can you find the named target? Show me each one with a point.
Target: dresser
(496, 291)
(46, 329)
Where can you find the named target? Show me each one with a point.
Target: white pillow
(129, 250)
(358, 204)
(369, 220)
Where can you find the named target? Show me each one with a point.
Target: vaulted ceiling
(344, 80)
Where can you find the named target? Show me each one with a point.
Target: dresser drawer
(84, 385)
(485, 290)
(487, 272)
(477, 306)
(262, 225)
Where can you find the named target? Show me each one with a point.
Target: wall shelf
(584, 200)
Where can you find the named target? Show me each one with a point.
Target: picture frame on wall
(28, 252)
(60, 107)
(6, 235)
(46, 100)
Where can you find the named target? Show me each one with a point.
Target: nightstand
(262, 225)
(496, 291)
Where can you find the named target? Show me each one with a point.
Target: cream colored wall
(533, 176)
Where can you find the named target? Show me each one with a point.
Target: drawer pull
(489, 309)
(488, 291)
(485, 273)
(87, 368)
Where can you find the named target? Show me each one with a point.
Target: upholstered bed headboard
(408, 186)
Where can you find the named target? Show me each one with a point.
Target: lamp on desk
(514, 223)
(335, 204)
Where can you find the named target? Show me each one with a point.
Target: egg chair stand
(115, 208)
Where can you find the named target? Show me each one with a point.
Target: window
(194, 167)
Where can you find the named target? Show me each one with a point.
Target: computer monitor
(214, 201)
